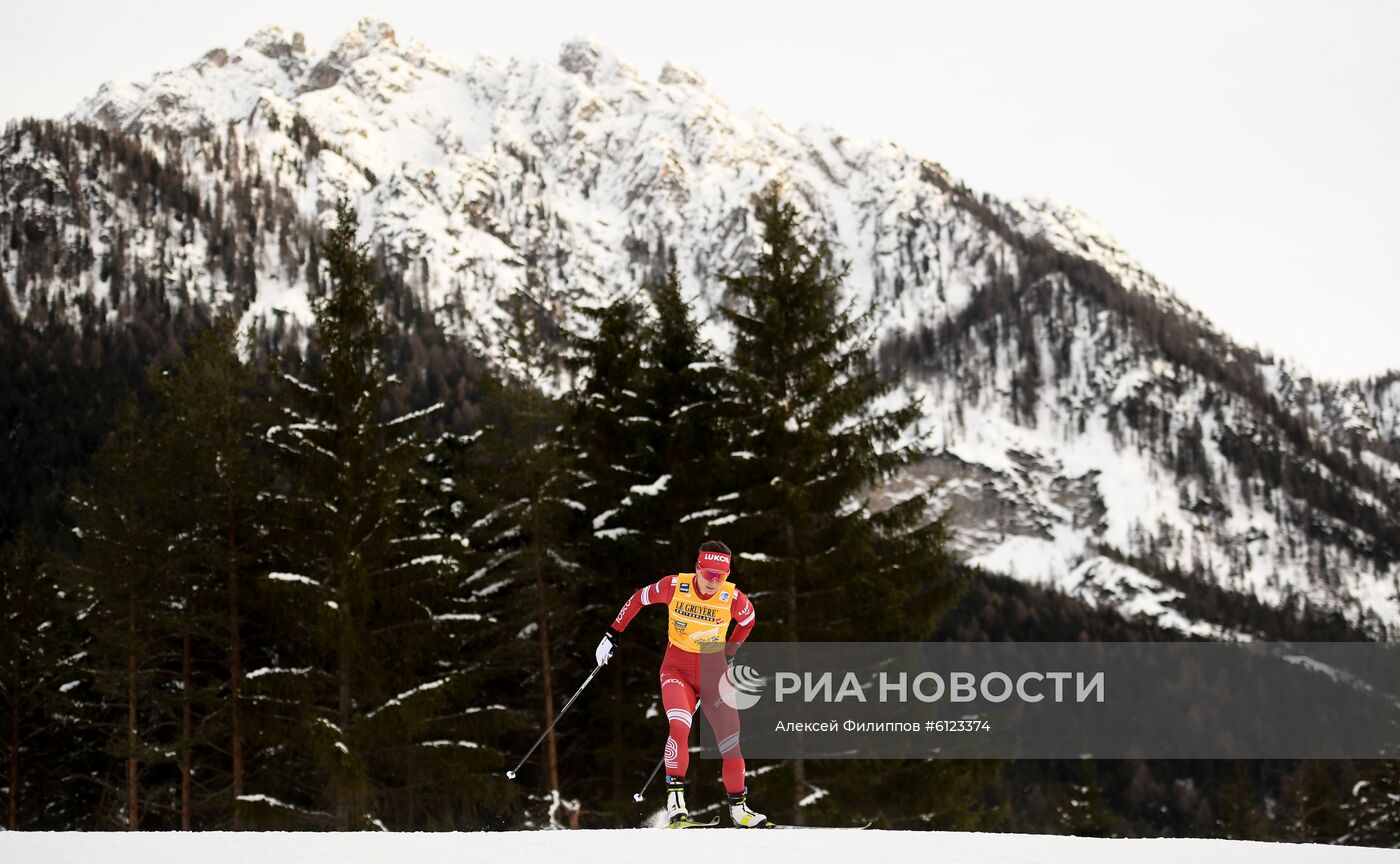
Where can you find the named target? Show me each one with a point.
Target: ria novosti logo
(742, 687)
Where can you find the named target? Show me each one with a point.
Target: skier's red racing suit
(696, 659)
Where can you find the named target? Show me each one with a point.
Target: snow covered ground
(650, 846)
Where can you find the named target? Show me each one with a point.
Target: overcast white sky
(1247, 153)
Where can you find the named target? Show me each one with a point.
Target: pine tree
(213, 416)
(1085, 812)
(684, 396)
(25, 596)
(1314, 812)
(609, 434)
(647, 445)
(470, 741)
(1372, 810)
(618, 478)
(680, 422)
(365, 572)
(811, 418)
(810, 413)
(1242, 814)
(524, 510)
(125, 580)
(50, 749)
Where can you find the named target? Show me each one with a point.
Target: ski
(714, 823)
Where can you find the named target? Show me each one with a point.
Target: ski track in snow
(650, 846)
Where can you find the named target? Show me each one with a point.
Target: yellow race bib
(696, 625)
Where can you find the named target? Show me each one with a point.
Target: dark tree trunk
(799, 766)
(186, 719)
(546, 667)
(14, 741)
(617, 697)
(132, 763)
(235, 667)
(345, 804)
(546, 672)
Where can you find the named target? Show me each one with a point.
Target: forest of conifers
(343, 578)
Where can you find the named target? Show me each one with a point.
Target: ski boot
(742, 816)
(675, 801)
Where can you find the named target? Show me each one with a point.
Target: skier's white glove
(605, 647)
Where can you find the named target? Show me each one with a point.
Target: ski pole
(510, 775)
(657, 770)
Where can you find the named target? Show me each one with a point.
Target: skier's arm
(744, 615)
(659, 592)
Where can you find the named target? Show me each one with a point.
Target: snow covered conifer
(31, 744)
(212, 416)
(125, 581)
(685, 393)
(518, 486)
(617, 477)
(363, 572)
(816, 430)
(1372, 810)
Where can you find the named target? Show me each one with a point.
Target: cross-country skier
(701, 606)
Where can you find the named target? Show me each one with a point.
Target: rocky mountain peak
(288, 52)
(368, 35)
(677, 73)
(595, 64)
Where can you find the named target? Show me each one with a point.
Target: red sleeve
(645, 596)
(741, 609)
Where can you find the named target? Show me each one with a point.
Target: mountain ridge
(1109, 419)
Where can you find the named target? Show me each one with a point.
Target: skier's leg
(724, 720)
(678, 698)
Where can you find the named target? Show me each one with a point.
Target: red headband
(714, 561)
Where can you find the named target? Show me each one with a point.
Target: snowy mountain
(1091, 429)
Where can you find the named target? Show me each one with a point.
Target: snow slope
(649, 846)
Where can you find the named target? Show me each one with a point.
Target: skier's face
(708, 581)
